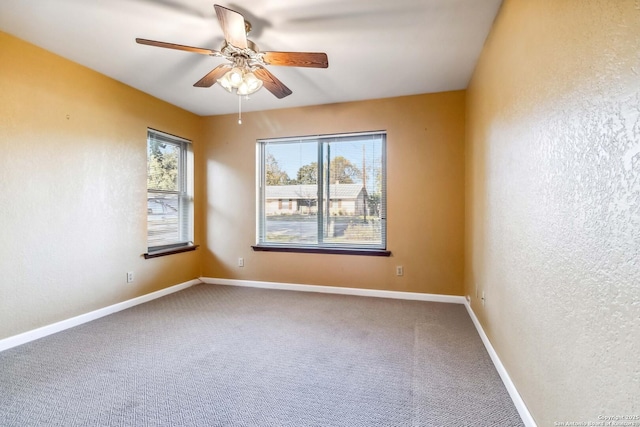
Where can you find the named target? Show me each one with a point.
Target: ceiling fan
(245, 73)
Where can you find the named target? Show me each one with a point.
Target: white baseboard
(34, 334)
(527, 419)
(337, 290)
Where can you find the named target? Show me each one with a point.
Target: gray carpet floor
(230, 356)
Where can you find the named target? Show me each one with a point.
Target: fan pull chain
(239, 110)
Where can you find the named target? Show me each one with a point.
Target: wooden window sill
(321, 250)
(170, 251)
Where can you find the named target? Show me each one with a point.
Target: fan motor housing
(251, 53)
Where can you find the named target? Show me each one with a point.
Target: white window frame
(183, 236)
(377, 249)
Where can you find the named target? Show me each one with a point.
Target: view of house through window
(323, 191)
(169, 221)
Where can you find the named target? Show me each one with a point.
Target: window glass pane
(348, 174)
(291, 192)
(163, 219)
(352, 167)
(163, 166)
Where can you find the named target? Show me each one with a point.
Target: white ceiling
(376, 48)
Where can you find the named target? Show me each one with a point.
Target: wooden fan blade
(272, 84)
(232, 24)
(199, 50)
(213, 75)
(297, 59)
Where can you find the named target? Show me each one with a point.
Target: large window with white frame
(323, 193)
(169, 190)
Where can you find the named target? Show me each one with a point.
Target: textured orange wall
(425, 172)
(73, 189)
(553, 203)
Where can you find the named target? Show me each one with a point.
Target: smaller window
(169, 203)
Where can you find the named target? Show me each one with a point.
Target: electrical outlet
(130, 277)
(399, 270)
(240, 262)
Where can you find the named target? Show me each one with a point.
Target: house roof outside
(304, 191)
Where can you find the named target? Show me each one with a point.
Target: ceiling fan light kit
(240, 78)
(247, 73)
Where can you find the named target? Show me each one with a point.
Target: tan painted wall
(425, 168)
(553, 217)
(73, 189)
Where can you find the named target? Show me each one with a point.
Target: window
(323, 194)
(169, 202)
